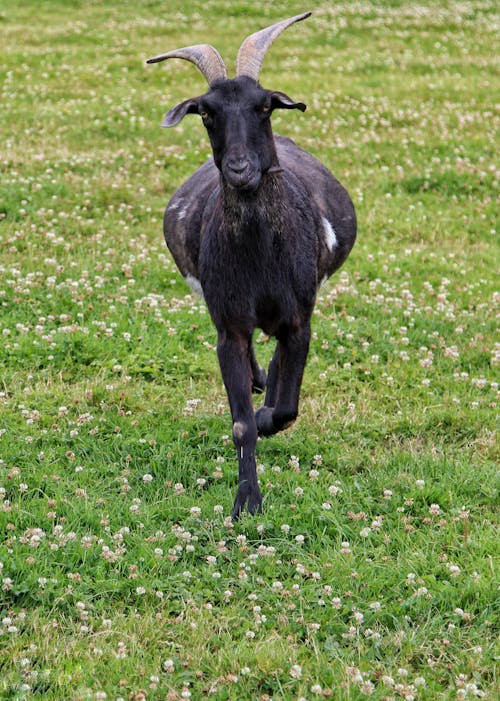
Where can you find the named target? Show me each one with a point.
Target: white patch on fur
(182, 213)
(175, 205)
(239, 429)
(323, 281)
(330, 235)
(195, 285)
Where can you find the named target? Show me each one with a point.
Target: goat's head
(236, 112)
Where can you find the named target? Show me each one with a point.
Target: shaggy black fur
(259, 227)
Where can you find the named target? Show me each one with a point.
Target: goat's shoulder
(329, 197)
(183, 217)
(314, 176)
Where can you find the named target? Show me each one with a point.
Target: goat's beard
(263, 209)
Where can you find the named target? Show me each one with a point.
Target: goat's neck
(259, 211)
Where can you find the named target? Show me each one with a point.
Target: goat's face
(236, 114)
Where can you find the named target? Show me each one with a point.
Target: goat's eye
(266, 108)
(204, 115)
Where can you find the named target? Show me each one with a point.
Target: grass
(372, 570)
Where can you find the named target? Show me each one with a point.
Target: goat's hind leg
(258, 373)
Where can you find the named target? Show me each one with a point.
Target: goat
(256, 230)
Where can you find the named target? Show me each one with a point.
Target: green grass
(372, 570)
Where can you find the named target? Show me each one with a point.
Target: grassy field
(372, 570)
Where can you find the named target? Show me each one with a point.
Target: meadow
(372, 570)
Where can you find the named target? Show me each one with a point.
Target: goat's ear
(178, 112)
(281, 101)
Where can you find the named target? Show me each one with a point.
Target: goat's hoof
(264, 421)
(251, 496)
(259, 382)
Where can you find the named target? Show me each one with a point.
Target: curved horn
(204, 56)
(253, 49)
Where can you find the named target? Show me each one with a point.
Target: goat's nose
(238, 164)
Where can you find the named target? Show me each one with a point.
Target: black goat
(256, 230)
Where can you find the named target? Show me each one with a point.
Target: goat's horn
(253, 49)
(204, 56)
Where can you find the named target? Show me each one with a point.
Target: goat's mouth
(247, 180)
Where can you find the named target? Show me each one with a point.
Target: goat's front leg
(236, 369)
(284, 381)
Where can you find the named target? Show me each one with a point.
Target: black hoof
(251, 497)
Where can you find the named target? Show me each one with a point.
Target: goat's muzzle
(240, 173)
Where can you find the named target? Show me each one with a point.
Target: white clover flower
(355, 675)
(367, 688)
(422, 591)
(295, 671)
(358, 617)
